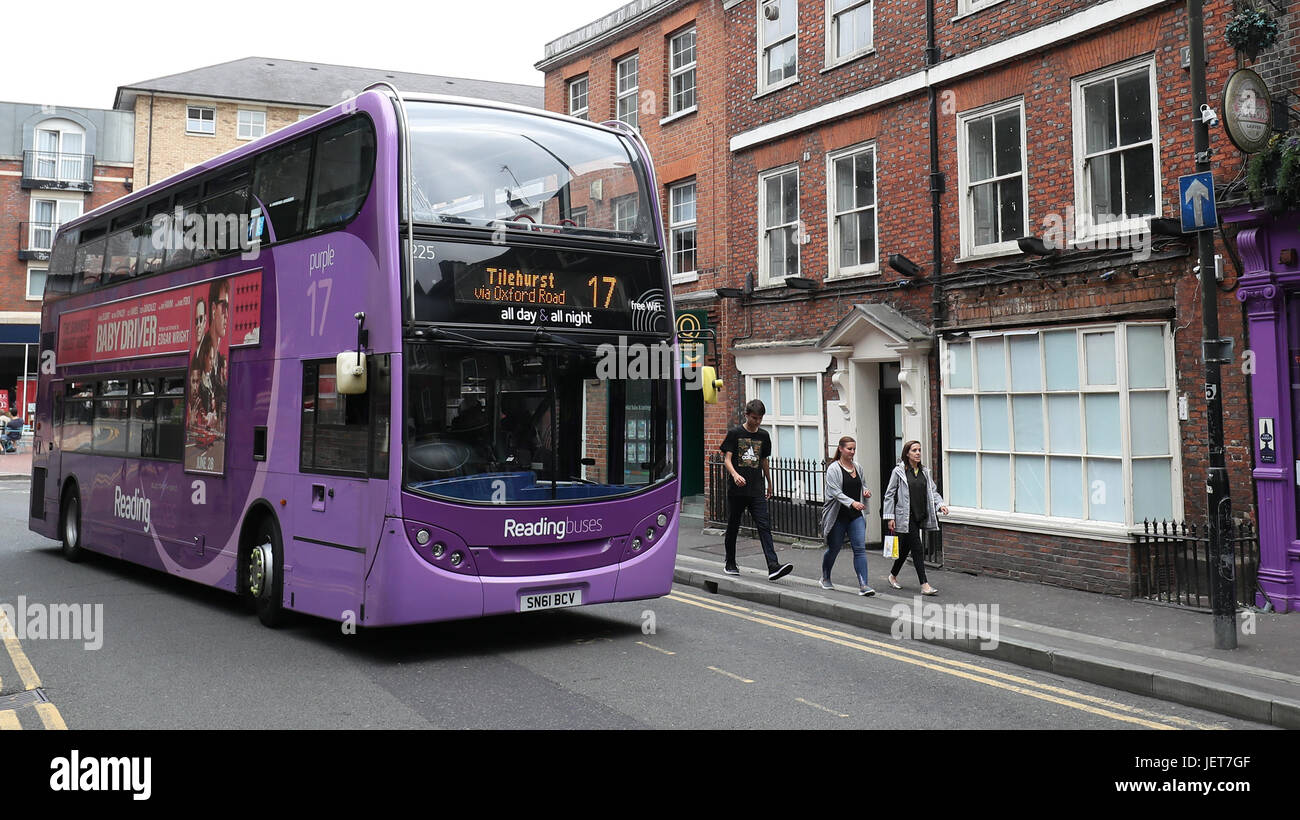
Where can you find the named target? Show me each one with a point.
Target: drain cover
(21, 699)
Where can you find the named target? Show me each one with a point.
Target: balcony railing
(54, 170)
(35, 239)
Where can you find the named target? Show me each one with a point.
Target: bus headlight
(636, 544)
(662, 520)
(438, 549)
(457, 558)
(422, 537)
(649, 533)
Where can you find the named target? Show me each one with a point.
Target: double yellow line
(48, 712)
(959, 669)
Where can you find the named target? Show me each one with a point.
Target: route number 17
(326, 285)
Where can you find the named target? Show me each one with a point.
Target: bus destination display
(512, 286)
(573, 295)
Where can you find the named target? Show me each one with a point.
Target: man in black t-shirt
(749, 484)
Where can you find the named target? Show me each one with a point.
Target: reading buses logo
(558, 527)
(216, 232)
(133, 507)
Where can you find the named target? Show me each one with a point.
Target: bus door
(340, 510)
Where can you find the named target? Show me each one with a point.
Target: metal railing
(36, 239)
(796, 503)
(1172, 562)
(56, 170)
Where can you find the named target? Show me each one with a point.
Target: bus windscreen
(491, 168)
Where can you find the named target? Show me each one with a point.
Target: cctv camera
(1208, 116)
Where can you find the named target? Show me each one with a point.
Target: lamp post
(1215, 353)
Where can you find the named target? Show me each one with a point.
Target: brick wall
(171, 150)
(688, 145)
(15, 208)
(1012, 290)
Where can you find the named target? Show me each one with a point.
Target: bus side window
(345, 161)
(169, 414)
(335, 427)
(222, 217)
(78, 414)
(123, 253)
(381, 404)
(281, 185)
(89, 264)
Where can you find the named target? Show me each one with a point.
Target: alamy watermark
(1098, 232)
(67, 622)
(216, 232)
(927, 620)
(661, 360)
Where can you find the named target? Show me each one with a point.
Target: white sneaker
(825, 584)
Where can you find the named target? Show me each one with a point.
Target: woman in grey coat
(842, 514)
(912, 503)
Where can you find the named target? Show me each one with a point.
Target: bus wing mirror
(710, 384)
(350, 366)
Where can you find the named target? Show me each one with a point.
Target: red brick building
(1056, 388)
(55, 164)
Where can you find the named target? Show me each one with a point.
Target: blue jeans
(856, 531)
(757, 506)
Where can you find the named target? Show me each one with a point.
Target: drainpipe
(148, 154)
(936, 178)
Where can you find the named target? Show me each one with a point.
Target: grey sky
(80, 52)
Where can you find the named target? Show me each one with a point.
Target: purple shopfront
(1269, 289)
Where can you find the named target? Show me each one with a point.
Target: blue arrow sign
(1196, 200)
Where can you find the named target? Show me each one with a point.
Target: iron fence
(796, 503)
(798, 487)
(1173, 562)
(57, 170)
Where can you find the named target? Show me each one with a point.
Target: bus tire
(70, 524)
(263, 572)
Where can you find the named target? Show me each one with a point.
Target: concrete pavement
(1160, 651)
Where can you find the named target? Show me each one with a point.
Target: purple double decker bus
(358, 369)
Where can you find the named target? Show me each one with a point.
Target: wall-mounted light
(904, 265)
(1036, 246)
(1164, 226)
(737, 293)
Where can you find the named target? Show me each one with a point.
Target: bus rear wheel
(70, 527)
(263, 570)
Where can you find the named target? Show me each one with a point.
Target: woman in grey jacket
(842, 514)
(912, 503)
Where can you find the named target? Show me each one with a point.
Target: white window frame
(778, 415)
(67, 165)
(28, 291)
(764, 263)
(678, 227)
(832, 213)
(626, 94)
(764, 47)
(247, 124)
(1055, 524)
(61, 202)
(967, 210)
(965, 7)
(833, 58)
(680, 71)
(572, 89)
(191, 118)
(1085, 227)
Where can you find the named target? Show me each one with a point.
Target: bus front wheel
(71, 525)
(263, 569)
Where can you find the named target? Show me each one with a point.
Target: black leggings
(911, 542)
